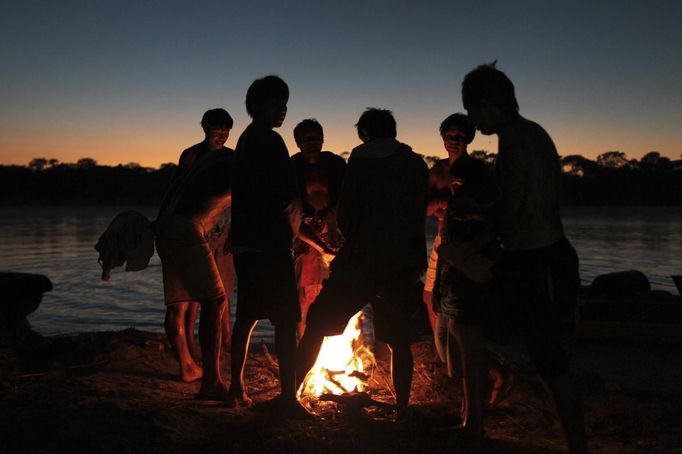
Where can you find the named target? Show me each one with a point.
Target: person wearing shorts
(539, 267)
(189, 269)
(265, 219)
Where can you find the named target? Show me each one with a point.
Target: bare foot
(238, 400)
(217, 391)
(191, 373)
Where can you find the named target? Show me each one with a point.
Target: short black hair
(263, 90)
(309, 124)
(377, 124)
(486, 82)
(216, 119)
(461, 122)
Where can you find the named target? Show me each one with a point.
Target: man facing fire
(381, 213)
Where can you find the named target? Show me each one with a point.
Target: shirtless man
(190, 271)
(539, 267)
(319, 175)
(216, 124)
(266, 217)
(181, 316)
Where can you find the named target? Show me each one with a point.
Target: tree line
(610, 179)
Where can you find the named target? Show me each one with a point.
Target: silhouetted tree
(612, 160)
(37, 164)
(86, 163)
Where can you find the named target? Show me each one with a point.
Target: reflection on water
(58, 242)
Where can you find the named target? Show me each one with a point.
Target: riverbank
(117, 392)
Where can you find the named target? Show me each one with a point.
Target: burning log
(354, 400)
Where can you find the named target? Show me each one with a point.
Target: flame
(341, 363)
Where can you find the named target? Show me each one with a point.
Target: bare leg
(569, 407)
(436, 322)
(401, 373)
(212, 385)
(300, 326)
(175, 330)
(307, 352)
(241, 336)
(190, 324)
(306, 297)
(225, 327)
(475, 370)
(285, 345)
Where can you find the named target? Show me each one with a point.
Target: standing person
(181, 315)
(539, 266)
(319, 175)
(189, 268)
(265, 219)
(456, 132)
(382, 211)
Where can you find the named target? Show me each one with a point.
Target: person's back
(382, 207)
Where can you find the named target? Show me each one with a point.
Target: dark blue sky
(128, 81)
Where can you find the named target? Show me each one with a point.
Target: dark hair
(461, 122)
(263, 90)
(309, 124)
(216, 119)
(486, 82)
(376, 124)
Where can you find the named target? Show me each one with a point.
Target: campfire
(341, 367)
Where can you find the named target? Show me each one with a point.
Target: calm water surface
(58, 242)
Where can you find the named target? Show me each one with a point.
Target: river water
(58, 242)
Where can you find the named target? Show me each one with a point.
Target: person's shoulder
(189, 155)
(332, 158)
(415, 159)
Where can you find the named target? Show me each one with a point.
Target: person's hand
(456, 183)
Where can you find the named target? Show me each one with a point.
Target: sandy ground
(118, 392)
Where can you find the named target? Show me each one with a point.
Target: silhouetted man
(319, 175)
(265, 219)
(181, 318)
(539, 266)
(381, 212)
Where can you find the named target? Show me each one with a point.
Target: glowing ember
(340, 366)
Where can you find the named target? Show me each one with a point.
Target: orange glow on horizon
(151, 148)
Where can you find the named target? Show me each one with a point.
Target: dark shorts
(348, 290)
(266, 287)
(463, 300)
(539, 292)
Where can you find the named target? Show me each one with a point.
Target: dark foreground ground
(117, 392)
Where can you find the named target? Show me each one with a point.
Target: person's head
(488, 97)
(376, 124)
(309, 136)
(266, 100)
(457, 132)
(216, 124)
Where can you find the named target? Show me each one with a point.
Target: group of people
(311, 240)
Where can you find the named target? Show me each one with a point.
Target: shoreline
(118, 392)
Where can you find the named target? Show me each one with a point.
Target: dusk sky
(128, 82)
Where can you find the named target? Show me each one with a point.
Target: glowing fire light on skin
(338, 363)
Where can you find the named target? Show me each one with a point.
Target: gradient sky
(122, 81)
